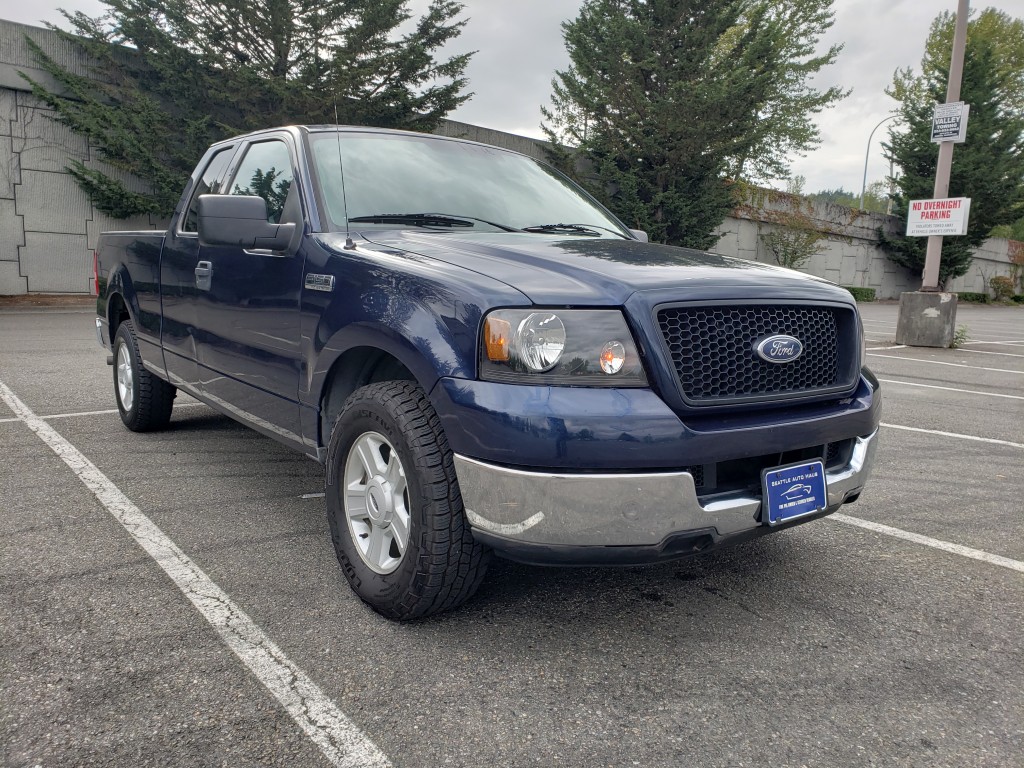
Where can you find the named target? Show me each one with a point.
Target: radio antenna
(349, 245)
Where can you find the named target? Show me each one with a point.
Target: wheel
(394, 506)
(144, 400)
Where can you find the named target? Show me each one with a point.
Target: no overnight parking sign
(938, 217)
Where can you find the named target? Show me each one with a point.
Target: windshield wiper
(578, 229)
(429, 220)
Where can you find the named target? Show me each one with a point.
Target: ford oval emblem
(779, 349)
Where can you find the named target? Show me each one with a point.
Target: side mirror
(640, 235)
(240, 220)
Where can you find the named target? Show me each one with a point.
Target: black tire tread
(451, 563)
(154, 397)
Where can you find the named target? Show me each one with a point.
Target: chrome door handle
(204, 269)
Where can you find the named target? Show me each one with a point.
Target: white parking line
(1008, 343)
(898, 346)
(93, 413)
(954, 434)
(983, 352)
(105, 412)
(952, 389)
(945, 546)
(327, 726)
(955, 365)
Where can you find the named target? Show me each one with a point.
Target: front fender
(425, 357)
(423, 313)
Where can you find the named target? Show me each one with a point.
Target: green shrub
(972, 297)
(1002, 287)
(1019, 298)
(861, 294)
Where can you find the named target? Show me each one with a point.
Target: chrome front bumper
(621, 510)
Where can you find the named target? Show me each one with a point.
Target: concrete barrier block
(12, 282)
(52, 202)
(56, 263)
(926, 319)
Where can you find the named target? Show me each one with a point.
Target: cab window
(266, 171)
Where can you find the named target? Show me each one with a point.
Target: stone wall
(48, 227)
(850, 254)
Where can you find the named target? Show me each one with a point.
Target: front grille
(697, 470)
(713, 350)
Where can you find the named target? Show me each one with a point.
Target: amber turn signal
(496, 336)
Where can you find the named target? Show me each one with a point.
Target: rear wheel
(143, 400)
(394, 505)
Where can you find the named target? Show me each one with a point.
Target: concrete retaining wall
(48, 226)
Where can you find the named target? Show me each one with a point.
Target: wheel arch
(370, 352)
(122, 303)
(358, 367)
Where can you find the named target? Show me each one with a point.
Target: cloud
(519, 47)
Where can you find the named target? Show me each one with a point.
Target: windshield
(392, 180)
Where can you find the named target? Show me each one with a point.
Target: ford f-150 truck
(485, 359)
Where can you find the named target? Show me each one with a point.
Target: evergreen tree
(876, 197)
(988, 168)
(664, 97)
(173, 76)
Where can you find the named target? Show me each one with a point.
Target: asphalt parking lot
(889, 635)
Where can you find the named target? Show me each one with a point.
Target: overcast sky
(519, 46)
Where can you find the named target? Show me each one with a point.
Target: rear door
(248, 339)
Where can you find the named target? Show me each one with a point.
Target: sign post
(928, 318)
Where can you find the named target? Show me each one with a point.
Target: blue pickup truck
(485, 359)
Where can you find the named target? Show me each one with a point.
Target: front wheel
(143, 400)
(394, 505)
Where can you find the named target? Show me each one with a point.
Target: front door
(248, 316)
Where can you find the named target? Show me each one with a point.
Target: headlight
(540, 341)
(581, 347)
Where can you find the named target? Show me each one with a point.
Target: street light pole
(867, 154)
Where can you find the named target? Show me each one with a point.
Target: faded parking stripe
(340, 740)
(928, 541)
(957, 435)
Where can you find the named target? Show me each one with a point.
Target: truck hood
(597, 271)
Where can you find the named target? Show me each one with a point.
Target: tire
(143, 400)
(400, 534)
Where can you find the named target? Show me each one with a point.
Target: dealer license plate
(793, 491)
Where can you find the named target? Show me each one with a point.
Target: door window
(266, 171)
(207, 185)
